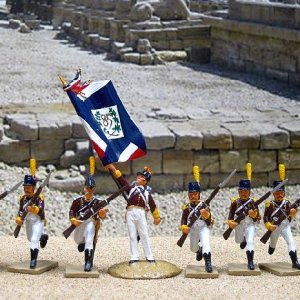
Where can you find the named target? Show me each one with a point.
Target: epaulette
(234, 199)
(21, 197)
(42, 197)
(286, 199)
(184, 206)
(267, 203)
(254, 199)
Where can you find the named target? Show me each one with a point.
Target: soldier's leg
(132, 231)
(204, 238)
(142, 228)
(239, 232)
(195, 243)
(89, 233)
(249, 237)
(273, 240)
(79, 234)
(36, 232)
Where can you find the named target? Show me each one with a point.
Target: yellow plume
(196, 173)
(92, 163)
(281, 170)
(249, 170)
(63, 81)
(148, 169)
(32, 166)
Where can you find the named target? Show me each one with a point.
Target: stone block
(194, 32)
(172, 55)
(132, 58)
(293, 127)
(177, 162)
(197, 43)
(146, 59)
(78, 130)
(1, 129)
(72, 184)
(263, 161)
(68, 159)
(217, 178)
(199, 55)
(153, 159)
(157, 135)
(54, 126)
(22, 126)
(230, 160)
(105, 184)
(83, 151)
(176, 45)
(47, 150)
(124, 167)
(167, 183)
(277, 74)
(161, 45)
(244, 136)
(290, 157)
(208, 161)
(272, 137)
(12, 151)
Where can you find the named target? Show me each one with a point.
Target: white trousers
(34, 229)
(199, 237)
(246, 229)
(284, 230)
(137, 225)
(85, 234)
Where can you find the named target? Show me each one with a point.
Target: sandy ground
(53, 284)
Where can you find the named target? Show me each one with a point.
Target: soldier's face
(278, 195)
(141, 180)
(244, 194)
(29, 190)
(88, 193)
(194, 196)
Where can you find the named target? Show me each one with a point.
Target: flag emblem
(109, 120)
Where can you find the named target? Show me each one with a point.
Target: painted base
(144, 270)
(193, 271)
(242, 270)
(41, 267)
(280, 268)
(76, 271)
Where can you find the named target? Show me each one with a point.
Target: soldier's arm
(230, 219)
(267, 216)
(117, 174)
(154, 210)
(185, 212)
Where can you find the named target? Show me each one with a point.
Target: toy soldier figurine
(280, 205)
(139, 198)
(31, 210)
(199, 231)
(245, 230)
(86, 232)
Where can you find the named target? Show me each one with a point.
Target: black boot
(34, 254)
(250, 255)
(81, 247)
(207, 259)
(293, 255)
(199, 254)
(89, 254)
(43, 240)
(271, 250)
(243, 244)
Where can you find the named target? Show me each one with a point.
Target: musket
(15, 187)
(91, 211)
(196, 214)
(279, 220)
(31, 201)
(245, 211)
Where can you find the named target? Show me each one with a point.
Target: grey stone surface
(208, 160)
(68, 159)
(46, 150)
(12, 151)
(290, 157)
(263, 161)
(293, 127)
(141, 11)
(153, 159)
(272, 137)
(177, 161)
(230, 160)
(1, 129)
(157, 135)
(22, 126)
(78, 130)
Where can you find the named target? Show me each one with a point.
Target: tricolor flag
(114, 135)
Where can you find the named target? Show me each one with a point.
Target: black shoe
(81, 247)
(199, 254)
(243, 244)
(43, 240)
(132, 261)
(250, 256)
(293, 255)
(89, 254)
(207, 259)
(271, 250)
(151, 260)
(33, 260)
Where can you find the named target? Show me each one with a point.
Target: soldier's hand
(156, 221)
(252, 213)
(293, 212)
(75, 222)
(270, 226)
(205, 214)
(19, 221)
(185, 229)
(232, 224)
(33, 209)
(102, 213)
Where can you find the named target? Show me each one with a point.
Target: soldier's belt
(135, 206)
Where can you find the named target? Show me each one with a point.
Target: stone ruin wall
(60, 140)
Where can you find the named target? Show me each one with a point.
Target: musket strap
(278, 208)
(243, 206)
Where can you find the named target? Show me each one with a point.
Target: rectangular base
(242, 270)
(76, 271)
(280, 268)
(41, 267)
(193, 271)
